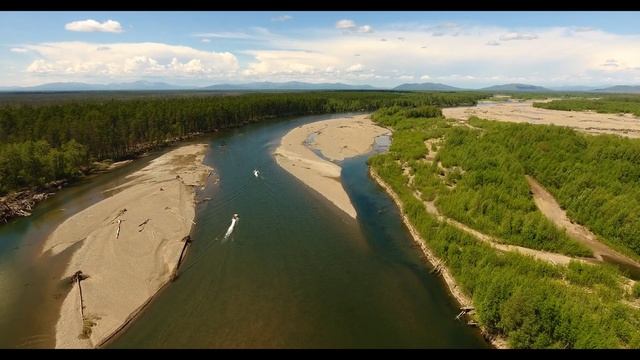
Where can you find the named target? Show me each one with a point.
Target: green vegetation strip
(619, 104)
(532, 303)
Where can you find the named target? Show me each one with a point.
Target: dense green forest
(492, 196)
(595, 178)
(533, 303)
(613, 104)
(41, 142)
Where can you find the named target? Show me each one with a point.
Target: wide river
(295, 273)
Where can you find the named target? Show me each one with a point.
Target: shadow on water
(296, 272)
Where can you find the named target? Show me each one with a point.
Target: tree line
(41, 142)
(612, 104)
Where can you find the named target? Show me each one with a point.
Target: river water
(295, 273)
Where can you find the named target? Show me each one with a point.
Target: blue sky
(470, 49)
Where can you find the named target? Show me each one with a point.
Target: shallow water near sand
(295, 273)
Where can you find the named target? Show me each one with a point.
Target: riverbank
(335, 140)
(21, 203)
(452, 285)
(128, 246)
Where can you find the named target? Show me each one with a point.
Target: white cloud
(365, 29)
(355, 68)
(128, 59)
(425, 77)
(611, 63)
(405, 77)
(350, 26)
(91, 25)
(282, 18)
(518, 36)
(563, 53)
(205, 40)
(286, 62)
(493, 43)
(224, 35)
(345, 24)
(591, 57)
(18, 50)
(583, 29)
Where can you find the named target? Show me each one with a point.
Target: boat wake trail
(234, 220)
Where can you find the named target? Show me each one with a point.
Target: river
(295, 273)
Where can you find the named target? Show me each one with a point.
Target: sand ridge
(128, 266)
(523, 111)
(336, 140)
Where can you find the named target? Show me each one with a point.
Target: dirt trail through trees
(548, 205)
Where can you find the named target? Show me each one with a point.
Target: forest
(43, 141)
(476, 175)
(611, 104)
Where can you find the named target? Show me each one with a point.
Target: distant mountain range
(516, 87)
(146, 85)
(291, 85)
(426, 87)
(302, 86)
(623, 89)
(77, 86)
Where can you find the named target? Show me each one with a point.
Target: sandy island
(336, 139)
(128, 255)
(585, 121)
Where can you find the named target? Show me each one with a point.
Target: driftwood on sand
(118, 232)
(141, 226)
(76, 278)
(187, 241)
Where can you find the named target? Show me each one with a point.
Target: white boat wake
(234, 219)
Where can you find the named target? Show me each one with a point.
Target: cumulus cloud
(611, 63)
(205, 40)
(587, 58)
(355, 68)
(18, 50)
(518, 36)
(365, 29)
(562, 53)
(91, 25)
(288, 62)
(225, 35)
(405, 77)
(281, 18)
(583, 29)
(122, 59)
(347, 25)
(425, 77)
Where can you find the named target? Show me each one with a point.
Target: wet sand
(336, 140)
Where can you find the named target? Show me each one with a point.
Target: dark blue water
(297, 272)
